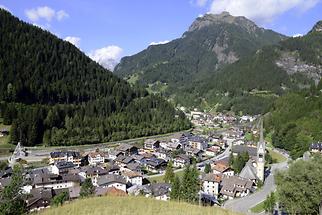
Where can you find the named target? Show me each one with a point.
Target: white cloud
(4, 7)
(297, 35)
(108, 56)
(260, 10)
(159, 43)
(73, 40)
(61, 15)
(47, 13)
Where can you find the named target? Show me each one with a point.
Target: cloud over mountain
(260, 10)
(107, 56)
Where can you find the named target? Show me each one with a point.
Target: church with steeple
(261, 148)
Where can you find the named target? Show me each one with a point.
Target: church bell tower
(261, 153)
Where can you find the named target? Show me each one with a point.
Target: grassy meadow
(131, 206)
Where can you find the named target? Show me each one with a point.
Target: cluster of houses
(217, 120)
(122, 170)
(223, 183)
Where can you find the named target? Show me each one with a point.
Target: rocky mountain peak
(224, 17)
(317, 27)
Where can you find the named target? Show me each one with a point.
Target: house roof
(64, 165)
(125, 147)
(110, 179)
(131, 174)
(234, 184)
(112, 191)
(212, 177)
(249, 171)
(160, 189)
(93, 170)
(220, 167)
(63, 154)
(95, 154)
(252, 151)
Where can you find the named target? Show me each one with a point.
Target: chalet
(110, 191)
(69, 156)
(181, 161)
(122, 160)
(39, 198)
(56, 181)
(234, 186)
(127, 149)
(151, 144)
(62, 167)
(222, 168)
(161, 191)
(197, 153)
(162, 154)
(136, 167)
(212, 151)
(113, 169)
(196, 142)
(95, 158)
(210, 184)
(134, 178)
(112, 155)
(92, 172)
(316, 147)
(155, 165)
(116, 181)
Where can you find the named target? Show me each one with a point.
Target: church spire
(261, 153)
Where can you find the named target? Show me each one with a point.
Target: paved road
(244, 204)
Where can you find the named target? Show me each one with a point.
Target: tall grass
(132, 206)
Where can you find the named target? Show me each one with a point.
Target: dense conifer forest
(52, 93)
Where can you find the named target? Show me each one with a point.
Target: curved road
(246, 203)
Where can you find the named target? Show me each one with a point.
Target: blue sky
(107, 30)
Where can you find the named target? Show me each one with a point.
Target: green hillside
(132, 206)
(52, 93)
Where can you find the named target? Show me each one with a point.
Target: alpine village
(226, 119)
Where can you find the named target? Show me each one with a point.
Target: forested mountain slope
(53, 93)
(178, 68)
(228, 61)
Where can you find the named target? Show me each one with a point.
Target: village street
(244, 204)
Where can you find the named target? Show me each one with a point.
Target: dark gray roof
(249, 171)
(109, 179)
(63, 154)
(252, 151)
(64, 165)
(91, 170)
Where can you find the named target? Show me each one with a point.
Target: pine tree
(169, 174)
(87, 188)
(175, 193)
(11, 197)
(207, 168)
